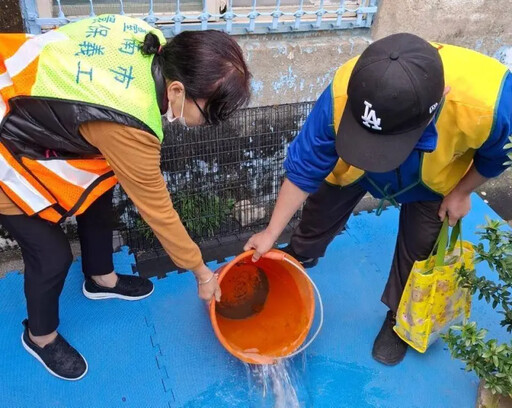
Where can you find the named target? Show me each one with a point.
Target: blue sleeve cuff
(305, 184)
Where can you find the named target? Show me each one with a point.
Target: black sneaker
(389, 349)
(58, 357)
(305, 262)
(127, 288)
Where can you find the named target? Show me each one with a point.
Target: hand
(261, 242)
(455, 205)
(207, 291)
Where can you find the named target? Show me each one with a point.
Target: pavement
(162, 352)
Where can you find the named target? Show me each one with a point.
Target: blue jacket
(312, 154)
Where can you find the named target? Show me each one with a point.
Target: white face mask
(170, 115)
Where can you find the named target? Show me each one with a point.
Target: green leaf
(501, 348)
(490, 361)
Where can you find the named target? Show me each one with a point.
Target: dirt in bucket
(280, 322)
(244, 292)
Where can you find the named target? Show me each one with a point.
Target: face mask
(170, 115)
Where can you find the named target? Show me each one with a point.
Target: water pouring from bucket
(267, 308)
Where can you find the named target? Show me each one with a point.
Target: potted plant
(489, 359)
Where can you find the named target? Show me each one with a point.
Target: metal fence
(223, 180)
(231, 16)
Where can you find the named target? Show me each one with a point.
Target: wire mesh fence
(223, 180)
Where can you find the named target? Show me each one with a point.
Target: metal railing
(231, 16)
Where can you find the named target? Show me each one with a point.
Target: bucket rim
(277, 255)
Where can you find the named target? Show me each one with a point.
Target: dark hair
(151, 44)
(210, 65)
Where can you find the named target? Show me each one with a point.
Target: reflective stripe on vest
(16, 60)
(70, 181)
(30, 50)
(3, 109)
(21, 186)
(70, 173)
(5, 80)
(54, 188)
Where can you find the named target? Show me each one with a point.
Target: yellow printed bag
(432, 300)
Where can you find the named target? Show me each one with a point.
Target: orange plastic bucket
(267, 308)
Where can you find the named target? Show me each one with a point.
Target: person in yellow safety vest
(416, 123)
(81, 109)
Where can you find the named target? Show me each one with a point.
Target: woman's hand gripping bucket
(267, 308)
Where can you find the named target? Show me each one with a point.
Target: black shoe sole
(388, 363)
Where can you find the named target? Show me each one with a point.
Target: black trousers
(47, 257)
(327, 211)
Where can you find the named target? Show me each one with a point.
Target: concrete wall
(297, 67)
(483, 25)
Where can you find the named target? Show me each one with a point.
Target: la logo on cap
(370, 118)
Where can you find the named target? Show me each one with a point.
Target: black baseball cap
(393, 93)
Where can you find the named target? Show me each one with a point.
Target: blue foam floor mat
(161, 352)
